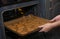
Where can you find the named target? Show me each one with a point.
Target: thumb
(53, 20)
(40, 28)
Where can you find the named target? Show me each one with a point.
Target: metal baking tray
(25, 25)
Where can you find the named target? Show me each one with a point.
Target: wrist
(56, 23)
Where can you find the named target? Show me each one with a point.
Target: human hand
(57, 18)
(48, 26)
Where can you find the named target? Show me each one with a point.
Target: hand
(57, 18)
(53, 23)
(46, 27)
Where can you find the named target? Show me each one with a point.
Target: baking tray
(25, 25)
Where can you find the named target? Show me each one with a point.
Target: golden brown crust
(25, 24)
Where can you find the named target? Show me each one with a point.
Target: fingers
(52, 23)
(57, 18)
(43, 28)
(46, 27)
(53, 20)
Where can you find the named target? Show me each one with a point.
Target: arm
(55, 22)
